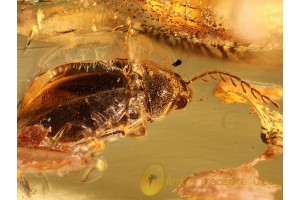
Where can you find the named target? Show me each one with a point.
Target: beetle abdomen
(72, 104)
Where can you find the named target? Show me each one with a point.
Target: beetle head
(184, 94)
(164, 90)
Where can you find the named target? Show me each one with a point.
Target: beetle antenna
(234, 80)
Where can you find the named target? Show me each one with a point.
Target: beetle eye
(181, 102)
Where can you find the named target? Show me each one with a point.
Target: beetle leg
(60, 133)
(98, 146)
(141, 133)
(44, 176)
(68, 128)
(23, 183)
(94, 171)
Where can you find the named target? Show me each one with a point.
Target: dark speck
(177, 63)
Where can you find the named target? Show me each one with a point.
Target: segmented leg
(23, 183)
(95, 171)
(140, 135)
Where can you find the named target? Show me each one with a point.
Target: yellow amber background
(206, 135)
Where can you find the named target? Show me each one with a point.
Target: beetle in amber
(70, 112)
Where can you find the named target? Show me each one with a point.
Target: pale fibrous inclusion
(242, 182)
(235, 30)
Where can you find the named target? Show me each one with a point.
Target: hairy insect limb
(23, 183)
(142, 133)
(94, 171)
(233, 79)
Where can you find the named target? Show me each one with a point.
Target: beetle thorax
(164, 91)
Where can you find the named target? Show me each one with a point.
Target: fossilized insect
(70, 112)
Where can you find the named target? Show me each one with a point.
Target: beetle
(70, 112)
